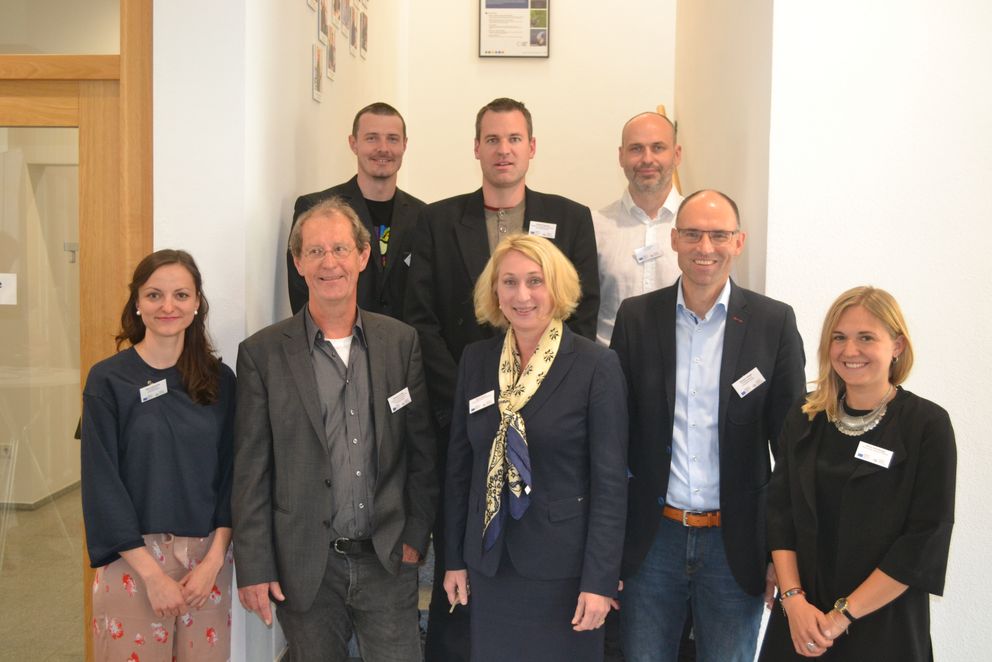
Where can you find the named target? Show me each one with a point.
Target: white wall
(880, 171)
(609, 61)
(723, 71)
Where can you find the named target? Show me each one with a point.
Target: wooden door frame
(109, 98)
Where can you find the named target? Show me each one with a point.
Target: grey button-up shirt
(346, 405)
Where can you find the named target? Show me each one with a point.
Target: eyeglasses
(339, 251)
(717, 237)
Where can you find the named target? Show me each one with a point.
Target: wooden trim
(136, 121)
(60, 67)
(39, 103)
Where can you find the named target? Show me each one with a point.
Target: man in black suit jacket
(712, 369)
(378, 139)
(454, 240)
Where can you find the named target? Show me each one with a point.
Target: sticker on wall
(8, 289)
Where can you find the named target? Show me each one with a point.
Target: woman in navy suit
(861, 504)
(536, 479)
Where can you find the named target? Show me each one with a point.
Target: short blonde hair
(560, 278)
(885, 309)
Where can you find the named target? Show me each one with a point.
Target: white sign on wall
(8, 289)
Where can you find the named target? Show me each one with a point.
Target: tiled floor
(41, 582)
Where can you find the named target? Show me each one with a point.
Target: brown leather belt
(689, 518)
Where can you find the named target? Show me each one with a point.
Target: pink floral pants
(125, 628)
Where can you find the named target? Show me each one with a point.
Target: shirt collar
(671, 205)
(721, 302)
(315, 335)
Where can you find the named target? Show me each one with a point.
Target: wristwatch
(841, 606)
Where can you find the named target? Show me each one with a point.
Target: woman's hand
(165, 595)
(838, 624)
(456, 586)
(807, 625)
(590, 612)
(198, 583)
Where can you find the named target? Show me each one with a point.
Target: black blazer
(281, 500)
(449, 254)
(380, 290)
(577, 439)
(898, 519)
(760, 333)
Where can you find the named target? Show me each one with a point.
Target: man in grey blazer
(335, 482)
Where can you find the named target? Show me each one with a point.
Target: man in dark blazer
(335, 483)
(454, 240)
(378, 139)
(711, 369)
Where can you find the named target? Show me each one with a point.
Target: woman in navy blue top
(156, 475)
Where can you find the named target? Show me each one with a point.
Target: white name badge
(749, 382)
(399, 400)
(152, 391)
(647, 253)
(481, 402)
(541, 229)
(874, 454)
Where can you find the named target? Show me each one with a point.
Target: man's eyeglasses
(339, 251)
(717, 237)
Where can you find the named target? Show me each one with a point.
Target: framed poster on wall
(514, 28)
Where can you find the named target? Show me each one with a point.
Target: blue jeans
(688, 565)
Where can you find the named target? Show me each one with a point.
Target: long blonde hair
(886, 310)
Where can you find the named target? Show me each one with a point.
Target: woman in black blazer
(536, 482)
(861, 503)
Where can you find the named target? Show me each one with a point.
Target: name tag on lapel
(399, 400)
(874, 454)
(481, 402)
(749, 382)
(542, 229)
(152, 391)
(647, 253)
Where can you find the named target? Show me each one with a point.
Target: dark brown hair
(377, 108)
(198, 364)
(504, 105)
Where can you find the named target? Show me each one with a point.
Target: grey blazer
(281, 501)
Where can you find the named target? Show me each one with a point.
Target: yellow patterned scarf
(509, 460)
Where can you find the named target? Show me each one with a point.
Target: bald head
(649, 119)
(649, 155)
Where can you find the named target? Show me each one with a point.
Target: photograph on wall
(332, 56)
(336, 13)
(312, 4)
(346, 18)
(363, 35)
(353, 40)
(514, 28)
(317, 71)
(323, 22)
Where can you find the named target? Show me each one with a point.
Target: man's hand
(255, 598)
(410, 555)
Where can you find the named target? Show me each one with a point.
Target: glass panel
(40, 514)
(80, 27)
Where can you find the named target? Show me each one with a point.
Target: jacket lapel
(805, 454)
(470, 233)
(734, 332)
(295, 347)
(398, 227)
(382, 417)
(562, 364)
(666, 340)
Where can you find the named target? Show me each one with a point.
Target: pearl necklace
(854, 426)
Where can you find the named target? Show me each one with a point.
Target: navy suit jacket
(760, 333)
(380, 289)
(449, 254)
(577, 439)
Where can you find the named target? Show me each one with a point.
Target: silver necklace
(854, 426)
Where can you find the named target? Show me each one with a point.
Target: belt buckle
(337, 548)
(685, 518)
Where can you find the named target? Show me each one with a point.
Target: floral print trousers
(126, 629)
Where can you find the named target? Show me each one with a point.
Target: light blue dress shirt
(694, 482)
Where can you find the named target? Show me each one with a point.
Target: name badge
(541, 229)
(152, 391)
(481, 402)
(399, 400)
(749, 382)
(647, 253)
(874, 454)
